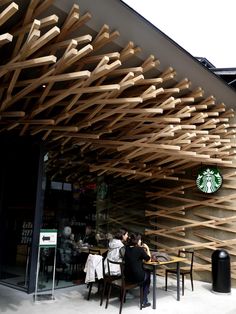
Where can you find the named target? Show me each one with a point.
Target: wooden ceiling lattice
(107, 111)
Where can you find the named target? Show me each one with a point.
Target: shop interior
(66, 207)
(86, 208)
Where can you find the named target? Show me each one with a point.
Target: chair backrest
(120, 264)
(94, 251)
(120, 281)
(47, 256)
(188, 254)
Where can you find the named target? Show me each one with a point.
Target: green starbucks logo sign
(209, 180)
(102, 191)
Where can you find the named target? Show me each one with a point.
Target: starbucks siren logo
(209, 180)
(102, 191)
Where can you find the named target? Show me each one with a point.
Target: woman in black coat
(135, 254)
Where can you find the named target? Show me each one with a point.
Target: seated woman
(113, 254)
(90, 237)
(66, 248)
(135, 254)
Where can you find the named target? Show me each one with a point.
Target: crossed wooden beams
(66, 90)
(5, 15)
(181, 218)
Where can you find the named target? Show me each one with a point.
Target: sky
(205, 28)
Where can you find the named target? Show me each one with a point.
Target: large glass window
(18, 188)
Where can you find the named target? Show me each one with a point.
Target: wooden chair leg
(125, 297)
(99, 285)
(57, 277)
(103, 293)
(123, 293)
(191, 277)
(182, 284)
(108, 296)
(90, 289)
(47, 273)
(166, 280)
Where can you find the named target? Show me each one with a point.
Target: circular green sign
(102, 191)
(209, 180)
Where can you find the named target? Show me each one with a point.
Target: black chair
(74, 264)
(107, 279)
(48, 263)
(123, 285)
(187, 270)
(60, 268)
(90, 284)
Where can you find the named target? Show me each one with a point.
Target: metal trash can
(221, 276)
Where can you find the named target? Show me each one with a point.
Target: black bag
(160, 257)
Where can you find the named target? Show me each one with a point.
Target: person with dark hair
(89, 238)
(124, 234)
(113, 254)
(135, 254)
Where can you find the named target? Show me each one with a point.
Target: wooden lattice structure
(187, 218)
(99, 108)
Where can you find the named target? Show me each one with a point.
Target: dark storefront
(20, 209)
(30, 202)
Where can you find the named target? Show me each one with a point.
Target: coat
(93, 268)
(114, 255)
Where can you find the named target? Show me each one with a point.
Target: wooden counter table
(153, 266)
(86, 249)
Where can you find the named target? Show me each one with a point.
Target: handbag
(160, 257)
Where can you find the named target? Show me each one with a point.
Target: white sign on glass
(48, 237)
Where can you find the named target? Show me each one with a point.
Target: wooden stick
(8, 12)
(5, 38)
(28, 63)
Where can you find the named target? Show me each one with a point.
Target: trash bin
(221, 277)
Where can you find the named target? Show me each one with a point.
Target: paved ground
(73, 301)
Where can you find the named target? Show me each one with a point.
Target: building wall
(182, 217)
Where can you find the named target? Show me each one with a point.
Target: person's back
(114, 250)
(134, 272)
(134, 257)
